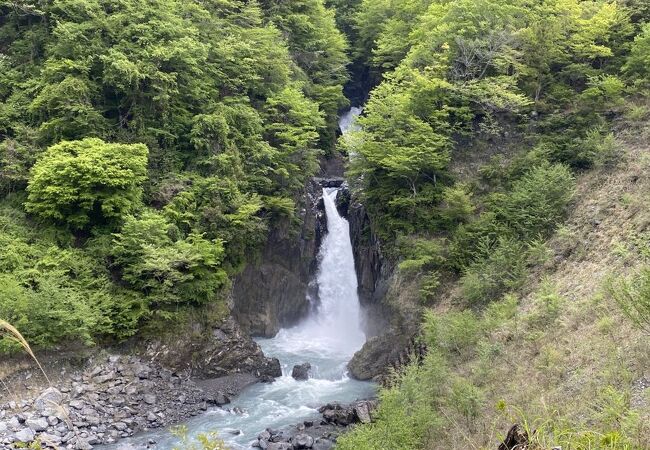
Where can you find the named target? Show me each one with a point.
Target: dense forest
(486, 114)
(147, 148)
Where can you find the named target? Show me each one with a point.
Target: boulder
(218, 399)
(48, 403)
(37, 423)
(362, 411)
(279, 446)
(323, 444)
(25, 435)
(301, 371)
(302, 441)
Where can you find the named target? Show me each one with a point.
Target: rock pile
(336, 418)
(107, 402)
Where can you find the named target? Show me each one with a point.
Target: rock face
(273, 293)
(301, 371)
(391, 328)
(391, 349)
(221, 351)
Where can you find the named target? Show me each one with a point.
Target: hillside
(178, 201)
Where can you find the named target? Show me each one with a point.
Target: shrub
(456, 206)
(429, 285)
(48, 312)
(537, 201)
(502, 270)
(87, 181)
(466, 399)
(633, 296)
(407, 414)
(637, 67)
(453, 333)
(419, 254)
(168, 271)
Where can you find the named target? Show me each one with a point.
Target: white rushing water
(348, 121)
(327, 340)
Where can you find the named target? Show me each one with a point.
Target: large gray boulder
(49, 402)
(302, 441)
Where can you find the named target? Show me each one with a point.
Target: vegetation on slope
(147, 147)
(487, 115)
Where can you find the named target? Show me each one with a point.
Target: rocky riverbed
(112, 400)
(321, 434)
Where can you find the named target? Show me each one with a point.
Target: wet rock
(218, 399)
(301, 371)
(302, 441)
(345, 415)
(323, 444)
(272, 294)
(279, 446)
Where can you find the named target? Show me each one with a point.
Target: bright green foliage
(52, 291)
(408, 413)
(168, 270)
(638, 63)
(402, 150)
(210, 112)
(318, 48)
(87, 181)
(536, 202)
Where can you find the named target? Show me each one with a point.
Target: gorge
(326, 339)
(317, 224)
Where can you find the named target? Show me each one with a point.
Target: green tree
(167, 269)
(87, 182)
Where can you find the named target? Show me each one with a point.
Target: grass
(9, 331)
(557, 355)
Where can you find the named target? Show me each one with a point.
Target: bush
(419, 254)
(633, 296)
(407, 414)
(454, 333)
(537, 201)
(502, 270)
(87, 181)
(637, 67)
(164, 269)
(48, 312)
(456, 206)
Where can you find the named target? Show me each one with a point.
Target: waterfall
(348, 120)
(327, 340)
(334, 329)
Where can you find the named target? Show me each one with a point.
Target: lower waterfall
(326, 339)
